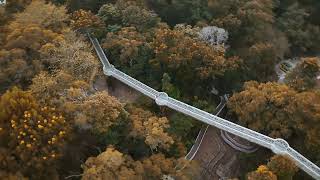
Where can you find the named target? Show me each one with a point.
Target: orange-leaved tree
(32, 136)
(150, 127)
(279, 167)
(112, 164)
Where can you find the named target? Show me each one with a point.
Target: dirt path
(216, 158)
(122, 92)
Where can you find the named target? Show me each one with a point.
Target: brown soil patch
(216, 158)
(121, 91)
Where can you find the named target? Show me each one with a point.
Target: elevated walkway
(278, 146)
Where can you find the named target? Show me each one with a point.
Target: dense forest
(55, 124)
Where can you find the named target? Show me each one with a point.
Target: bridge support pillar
(280, 146)
(108, 70)
(162, 99)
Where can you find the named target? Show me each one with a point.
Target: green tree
(300, 32)
(16, 5)
(169, 88)
(91, 5)
(180, 11)
(130, 51)
(303, 76)
(86, 21)
(110, 14)
(128, 13)
(252, 34)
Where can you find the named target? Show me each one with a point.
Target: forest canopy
(61, 117)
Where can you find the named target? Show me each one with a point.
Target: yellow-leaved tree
(38, 26)
(99, 111)
(150, 127)
(112, 164)
(32, 136)
(281, 112)
(73, 55)
(279, 167)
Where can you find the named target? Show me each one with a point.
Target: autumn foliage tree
(261, 107)
(32, 136)
(176, 51)
(61, 90)
(12, 176)
(73, 55)
(87, 110)
(279, 167)
(279, 111)
(125, 46)
(20, 60)
(305, 111)
(282, 166)
(186, 58)
(86, 21)
(44, 15)
(262, 173)
(98, 112)
(31, 30)
(112, 164)
(151, 128)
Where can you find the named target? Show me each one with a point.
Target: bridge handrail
(148, 91)
(195, 148)
(278, 146)
(220, 123)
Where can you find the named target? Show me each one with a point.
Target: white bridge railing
(196, 146)
(278, 146)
